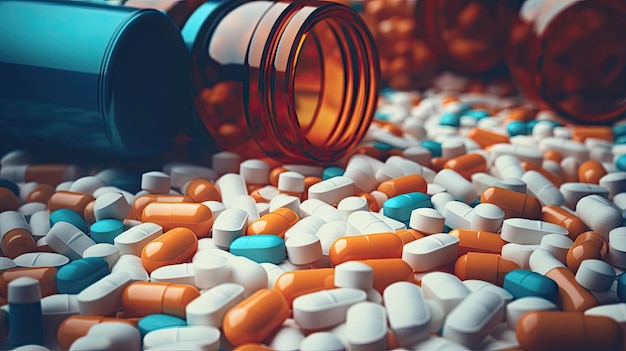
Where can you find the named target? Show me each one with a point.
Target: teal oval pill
(433, 146)
(382, 146)
(477, 114)
(621, 288)
(158, 321)
(260, 248)
(619, 130)
(77, 275)
(400, 207)
(620, 162)
(450, 119)
(521, 283)
(515, 128)
(69, 216)
(330, 172)
(105, 230)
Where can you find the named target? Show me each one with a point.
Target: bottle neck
(296, 79)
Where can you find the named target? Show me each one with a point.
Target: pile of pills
(463, 221)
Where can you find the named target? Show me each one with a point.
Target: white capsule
(520, 254)
(68, 240)
(231, 224)
(528, 231)
(209, 308)
(103, 297)
(515, 309)
(521, 152)
(248, 204)
(573, 192)
(108, 252)
(615, 182)
(132, 265)
(458, 215)
(432, 251)
(617, 247)
(132, 241)
(362, 170)
(322, 341)
(542, 262)
(543, 189)
(248, 274)
(474, 318)
(456, 185)
(558, 245)
(287, 201)
(86, 185)
(599, 214)
(123, 336)
(408, 313)
(40, 259)
(210, 270)
(508, 166)
(595, 275)
(427, 220)
(366, 324)
(303, 249)
(181, 273)
(353, 274)
(287, 337)
(445, 288)
(487, 217)
(332, 190)
(197, 337)
(326, 308)
(111, 206)
(366, 222)
(564, 147)
(230, 186)
(39, 224)
(351, 204)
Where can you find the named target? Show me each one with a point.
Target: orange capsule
(388, 126)
(200, 190)
(8, 200)
(513, 203)
(437, 163)
(276, 222)
(388, 271)
(178, 245)
(77, 326)
(41, 193)
(566, 219)
(403, 185)
(297, 283)
(553, 155)
(588, 245)
(485, 137)
(408, 235)
(553, 178)
(89, 215)
(591, 171)
(484, 266)
(255, 318)
(365, 247)
(581, 133)
(572, 296)
(252, 347)
(274, 173)
(308, 182)
(53, 174)
(468, 164)
(478, 241)
(197, 217)
(371, 201)
(15, 237)
(142, 201)
(572, 331)
(521, 114)
(70, 200)
(47, 277)
(448, 99)
(144, 298)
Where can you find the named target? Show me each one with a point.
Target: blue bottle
(25, 318)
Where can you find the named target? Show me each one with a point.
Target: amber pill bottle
(570, 56)
(293, 80)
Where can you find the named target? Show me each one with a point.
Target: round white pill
(354, 274)
(111, 206)
(558, 245)
(225, 162)
(595, 275)
(156, 182)
(292, 182)
(255, 171)
(303, 249)
(487, 217)
(427, 220)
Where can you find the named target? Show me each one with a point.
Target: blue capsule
(260, 248)
(621, 287)
(450, 119)
(477, 114)
(521, 283)
(400, 207)
(77, 275)
(154, 322)
(69, 216)
(620, 163)
(382, 146)
(516, 128)
(432, 146)
(105, 230)
(330, 172)
(619, 130)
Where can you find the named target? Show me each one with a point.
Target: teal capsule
(260, 248)
(450, 119)
(154, 322)
(433, 146)
(69, 216)
(330, 172)
(621, 287)
(620, 162)
(620, 139)
(619, 130)
(516, 128)
(400, 207)
(477, 114)
(382, 146)
(77, 275)
(105, 230)
(521, 283)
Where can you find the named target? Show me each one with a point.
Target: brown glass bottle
(570, 56)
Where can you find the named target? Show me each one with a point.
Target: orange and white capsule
(15, 237)
(197, 217)
(53, 174)
(77, 326)
(513, 203)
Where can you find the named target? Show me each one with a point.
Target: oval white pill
(325, 308)
(474, 318)
(409, 315)
(209, 308)
(432, 251)
(366, 324)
